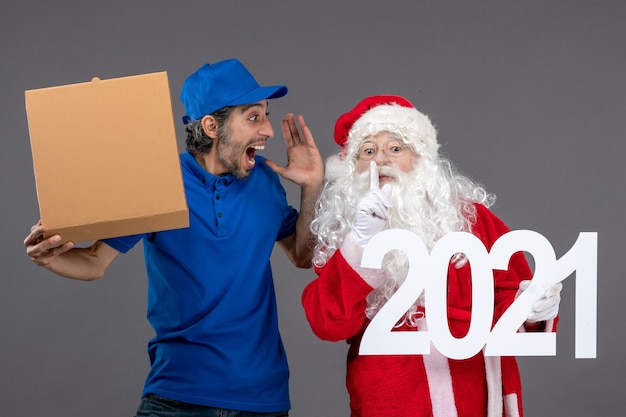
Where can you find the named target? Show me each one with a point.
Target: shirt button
(219, 215)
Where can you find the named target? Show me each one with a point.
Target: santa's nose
(381, 158)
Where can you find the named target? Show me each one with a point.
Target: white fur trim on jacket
(352, 252)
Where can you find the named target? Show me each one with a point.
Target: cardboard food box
(105, 158)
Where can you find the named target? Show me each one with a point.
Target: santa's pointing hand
(372, 210)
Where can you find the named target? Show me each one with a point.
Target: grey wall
(528, 97)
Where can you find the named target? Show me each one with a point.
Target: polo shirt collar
(202, 174)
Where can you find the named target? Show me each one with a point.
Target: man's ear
(210, 126)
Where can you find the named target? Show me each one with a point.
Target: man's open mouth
(251, 152)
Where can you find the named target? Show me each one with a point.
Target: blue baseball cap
(222, 84)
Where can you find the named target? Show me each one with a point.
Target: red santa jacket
(420, 385)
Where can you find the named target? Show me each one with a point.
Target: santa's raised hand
(372, 210)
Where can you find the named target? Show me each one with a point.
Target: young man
(211, 298)
(385, 141)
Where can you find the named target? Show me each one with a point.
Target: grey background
(528, 97)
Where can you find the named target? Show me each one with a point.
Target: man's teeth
(259, 147)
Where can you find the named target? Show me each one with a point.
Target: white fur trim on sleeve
(352, 251)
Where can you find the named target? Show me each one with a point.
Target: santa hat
(395, 114)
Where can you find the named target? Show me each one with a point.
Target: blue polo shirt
(211, 297)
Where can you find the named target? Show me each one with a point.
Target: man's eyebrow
(245, 107)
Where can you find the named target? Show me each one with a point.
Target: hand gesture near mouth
(305, 166)
(372, 209)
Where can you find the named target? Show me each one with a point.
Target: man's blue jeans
(155, 406)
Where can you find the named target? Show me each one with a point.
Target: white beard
(430, 201)
(412, 210)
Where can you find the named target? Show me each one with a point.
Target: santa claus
(389, 174)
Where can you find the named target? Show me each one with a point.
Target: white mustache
(363, 179)
(388, 171)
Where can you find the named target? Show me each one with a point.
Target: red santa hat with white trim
(390, 113)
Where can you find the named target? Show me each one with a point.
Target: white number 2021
(428, 273)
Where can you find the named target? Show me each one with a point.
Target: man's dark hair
(197, 141)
